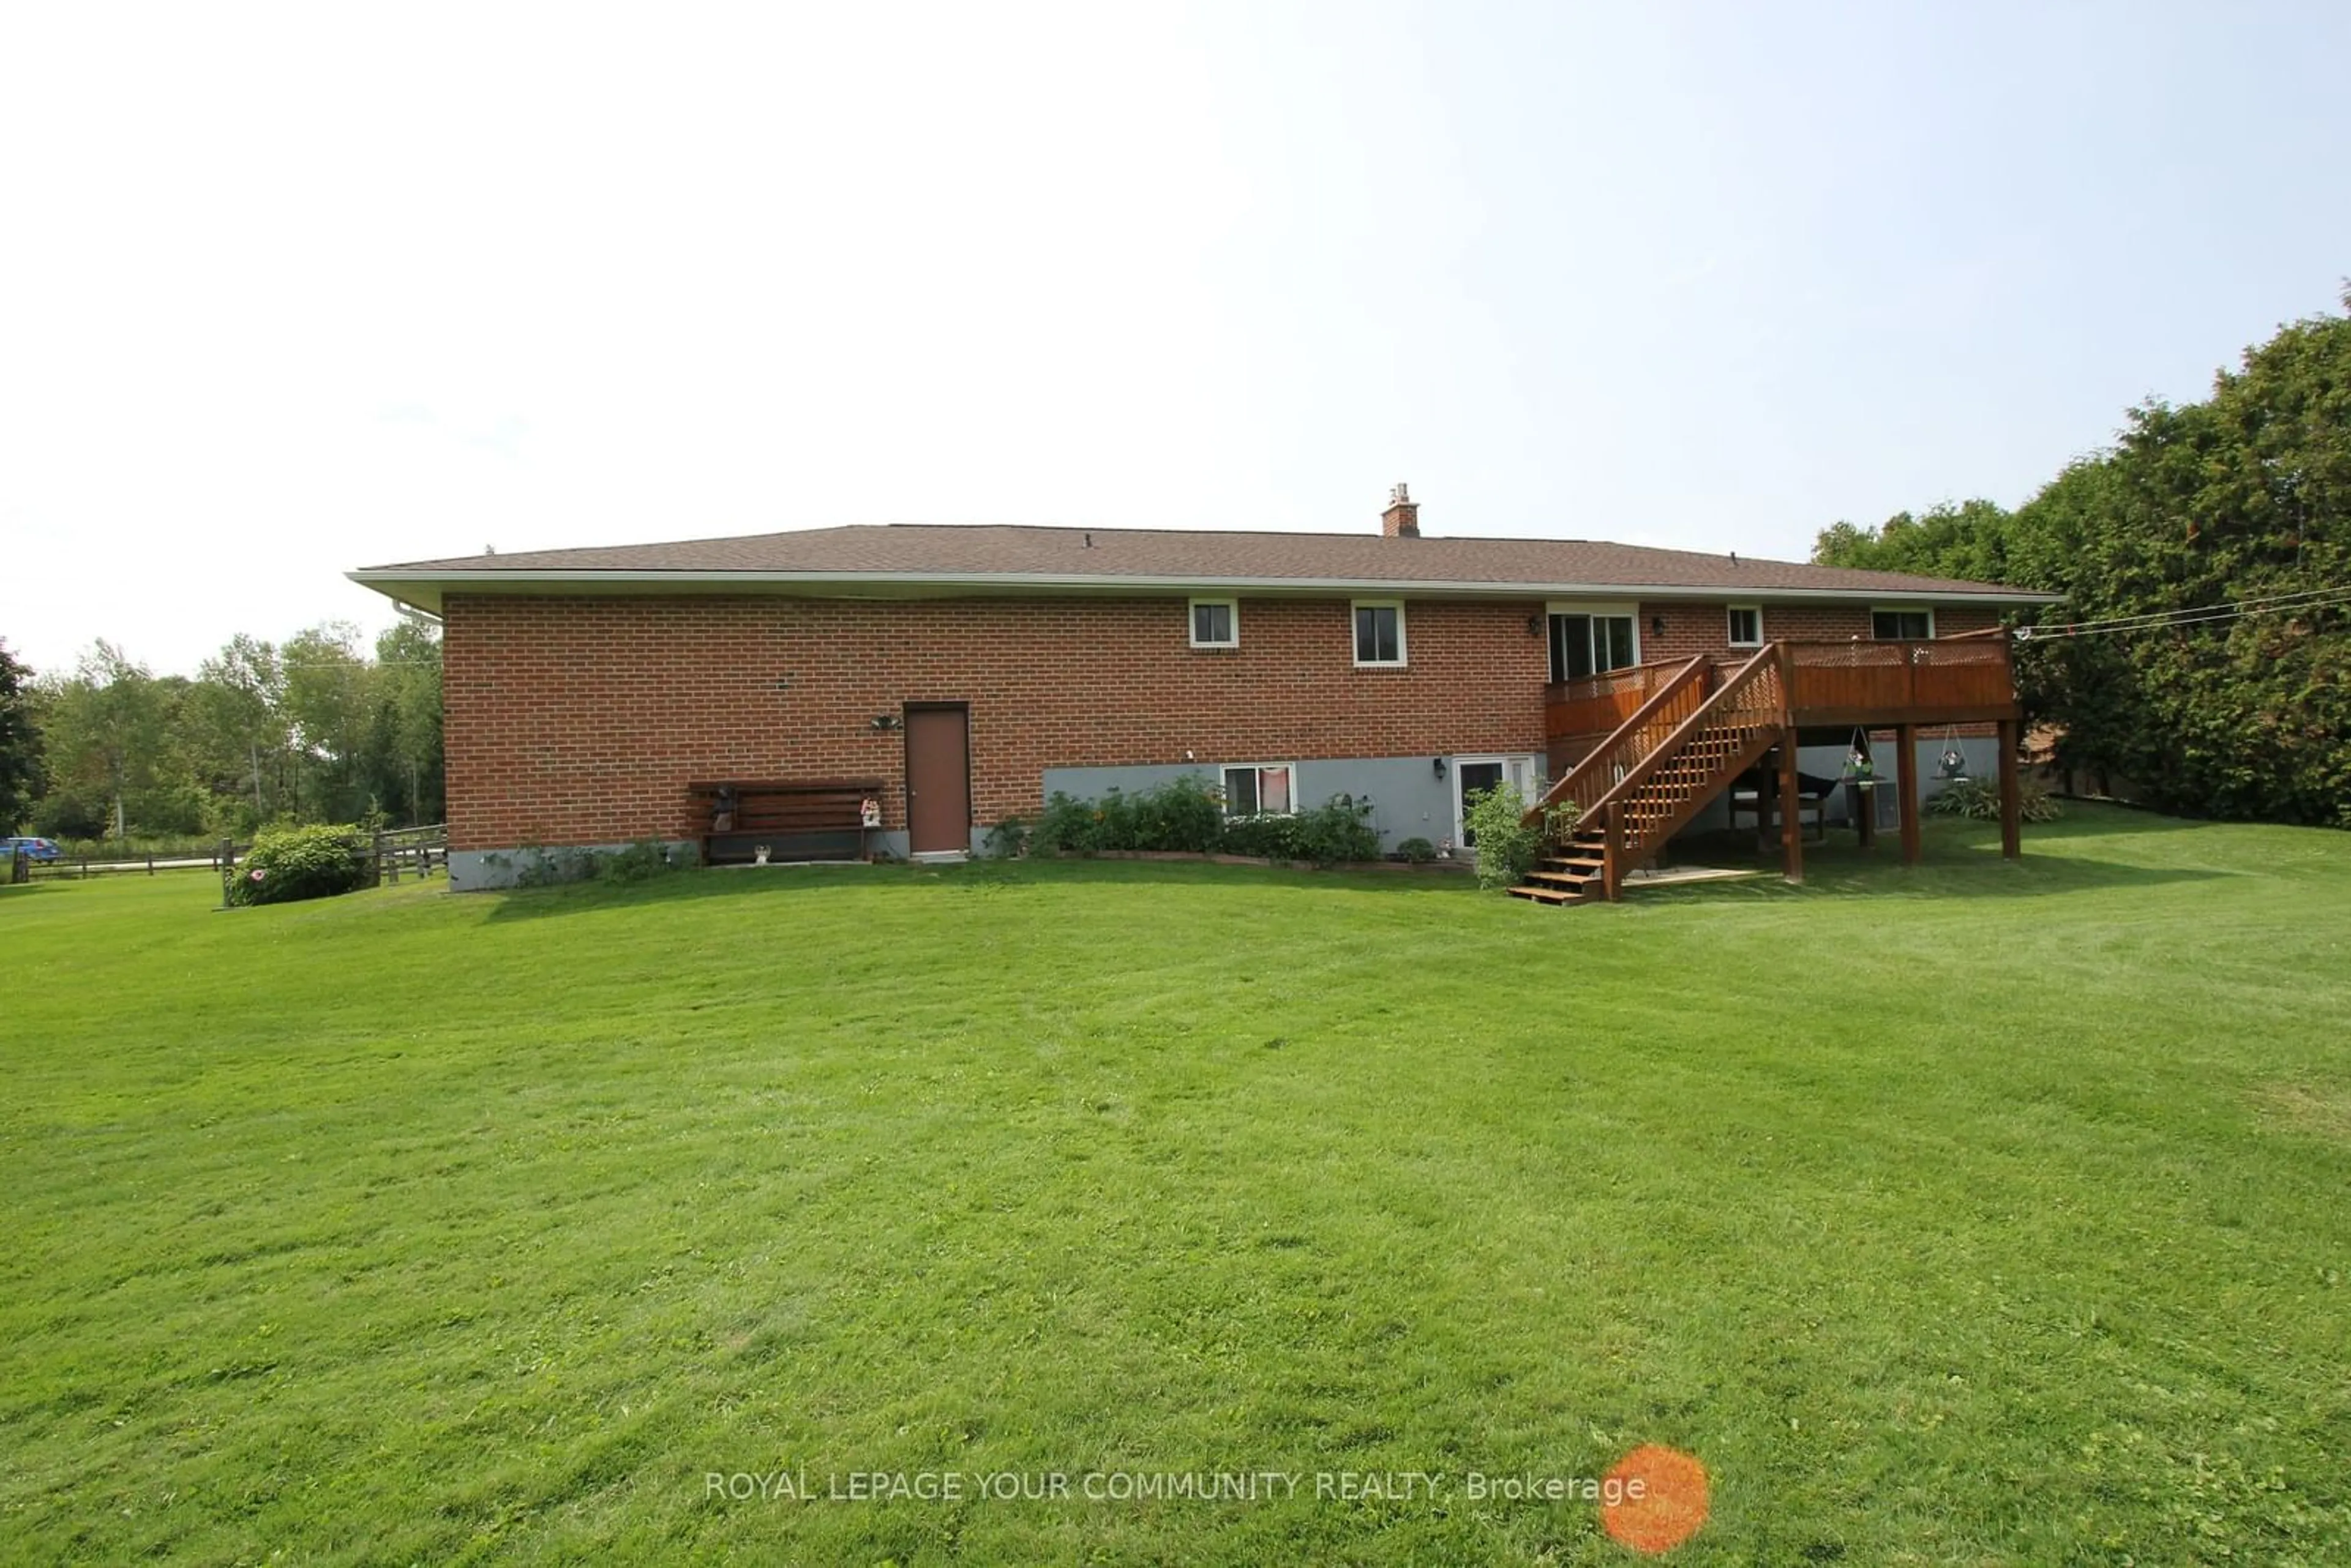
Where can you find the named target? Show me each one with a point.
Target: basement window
(1747, 626)
(1379, 631)
(1216, 623)
(1901, 625)
(1260, 789)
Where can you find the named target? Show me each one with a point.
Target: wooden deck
(1952, 680)
(1638, 752)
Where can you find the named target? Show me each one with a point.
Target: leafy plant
(291, 863)
(1186, 813)
(1273, 838)
(537, 867)
(1419, 852)
(1068, 826)
(1007, 840)
(1979, 799)
(1506, 848)
(1337, 832)
(640, 861)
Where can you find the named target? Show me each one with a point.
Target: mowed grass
(1980, 1213)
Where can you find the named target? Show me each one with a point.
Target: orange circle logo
(1654, 1499)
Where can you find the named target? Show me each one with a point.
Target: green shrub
(1068, 826)
(1978, 801)
(643, 858)
(1506, 848)
(291, 863)
(1188, 815)
(1419, 852)
(1184, 813)
(1338, 831)
(1268, 838)
(1006, 840)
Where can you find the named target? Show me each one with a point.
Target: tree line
(318, 728)
(2202, 660)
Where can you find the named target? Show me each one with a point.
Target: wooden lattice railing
(1644, 729)
(1936, 675)
(1720, 738)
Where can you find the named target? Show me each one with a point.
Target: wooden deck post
(1612, 857)
(2011, 795)
(1906, 758)
(1792, 811)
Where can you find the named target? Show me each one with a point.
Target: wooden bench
(793, 820)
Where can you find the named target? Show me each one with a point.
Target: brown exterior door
(938, 779)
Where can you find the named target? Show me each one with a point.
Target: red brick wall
(581, 720)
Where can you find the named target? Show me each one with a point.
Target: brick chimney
(1402, 519)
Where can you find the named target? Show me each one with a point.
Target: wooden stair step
(1553, 895)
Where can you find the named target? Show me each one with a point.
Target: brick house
(587, 689)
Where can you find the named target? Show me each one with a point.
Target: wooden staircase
(1650, 778)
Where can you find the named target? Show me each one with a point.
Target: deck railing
(1941, 674)
(1936, 677)
(1676, 693)
(1595, 705)
(1725, 729)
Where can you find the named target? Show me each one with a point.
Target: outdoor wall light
(886, 721)
(1436, 765)
(1535, 625)
(1657, 625)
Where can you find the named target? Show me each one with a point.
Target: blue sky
(289, 290)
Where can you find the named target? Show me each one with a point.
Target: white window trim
(1533, 792)
(1225, 767)
(1596, 608)
(1403, 652)
(1730, 610)
(1192, 621)
(1877, 610)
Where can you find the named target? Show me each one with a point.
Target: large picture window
(1587, 643)
(1891, 625)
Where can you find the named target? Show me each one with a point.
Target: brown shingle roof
(999, 556)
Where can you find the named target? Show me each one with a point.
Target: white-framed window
(1216, 623)
(1746, 626)
(1901, 623)
(1589, 639)
(1260, 789)
(1379, 631)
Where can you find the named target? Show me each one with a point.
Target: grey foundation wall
(1407, 798)
(485, 871)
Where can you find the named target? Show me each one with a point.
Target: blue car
(32, 849)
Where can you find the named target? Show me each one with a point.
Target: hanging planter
(1859, 771)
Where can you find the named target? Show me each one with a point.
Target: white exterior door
(1472, 775)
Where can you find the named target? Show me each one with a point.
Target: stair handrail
(1592, 764)
(1767, 657)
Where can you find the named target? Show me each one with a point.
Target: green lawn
(1976, 1214)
